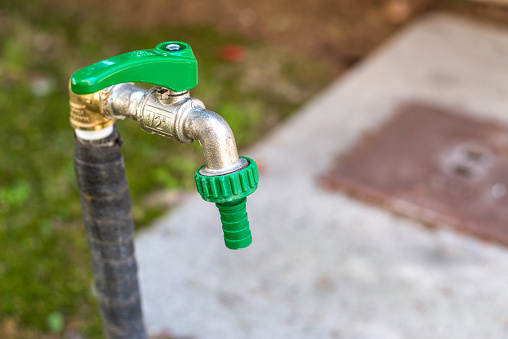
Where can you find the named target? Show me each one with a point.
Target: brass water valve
(104, 92)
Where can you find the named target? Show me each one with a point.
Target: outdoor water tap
(104, 92)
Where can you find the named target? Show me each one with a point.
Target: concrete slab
(323, 265)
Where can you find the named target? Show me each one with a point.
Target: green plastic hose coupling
(229, 193)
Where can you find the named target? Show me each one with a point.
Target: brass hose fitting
(86, 112)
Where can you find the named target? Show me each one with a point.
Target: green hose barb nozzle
(229, 193)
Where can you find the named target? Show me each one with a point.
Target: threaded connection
(228, 187)
(229, 193)
(235, 223)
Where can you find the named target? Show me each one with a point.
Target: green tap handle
(170, 64)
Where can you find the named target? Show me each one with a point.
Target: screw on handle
(170, 64)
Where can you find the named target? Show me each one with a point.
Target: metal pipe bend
(178, 117)
(216, 139)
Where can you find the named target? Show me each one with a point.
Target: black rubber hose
(106, 203)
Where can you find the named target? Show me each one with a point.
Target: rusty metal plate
(433, 165)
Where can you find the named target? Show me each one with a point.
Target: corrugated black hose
(106, 203)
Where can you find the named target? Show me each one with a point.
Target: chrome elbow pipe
(216, 139)
(179, 117)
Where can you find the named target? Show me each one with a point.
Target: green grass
(45, 276)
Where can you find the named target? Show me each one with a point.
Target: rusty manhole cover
(435, 166)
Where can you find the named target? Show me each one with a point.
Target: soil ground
(336, 32)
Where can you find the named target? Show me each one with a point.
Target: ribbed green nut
(229, 193)
(170, 64)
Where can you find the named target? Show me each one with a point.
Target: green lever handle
(170, 64)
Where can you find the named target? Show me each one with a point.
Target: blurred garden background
(259, 61)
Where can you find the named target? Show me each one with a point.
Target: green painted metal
(229, 193)
(174, 69)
